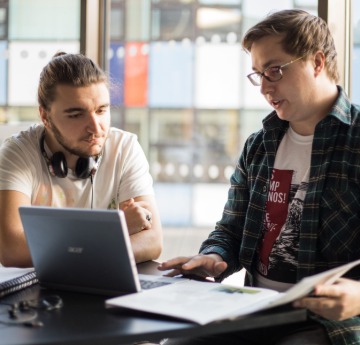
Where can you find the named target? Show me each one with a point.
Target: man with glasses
(293, 208)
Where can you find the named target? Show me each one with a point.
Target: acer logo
(75, 250)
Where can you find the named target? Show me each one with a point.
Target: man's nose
(266, 86)
(93, 125)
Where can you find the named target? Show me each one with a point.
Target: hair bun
(59, 53)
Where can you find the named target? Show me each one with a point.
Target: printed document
(204, 302)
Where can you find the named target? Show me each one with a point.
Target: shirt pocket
(339, 234)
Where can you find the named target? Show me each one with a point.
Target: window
(355, 81)
(179, 83)
(30, 35)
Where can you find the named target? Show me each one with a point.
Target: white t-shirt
(278, 253)
(123, 172)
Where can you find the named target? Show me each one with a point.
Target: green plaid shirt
(330, 226)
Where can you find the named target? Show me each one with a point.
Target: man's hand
(338, 301)
(144, 225)
(137, 215)
(211, 265)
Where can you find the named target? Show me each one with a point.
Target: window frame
(338, 16)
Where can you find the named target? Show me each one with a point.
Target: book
(205, 302)
(13, 279)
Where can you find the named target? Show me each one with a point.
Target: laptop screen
(81, 249)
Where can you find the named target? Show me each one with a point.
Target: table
(84, 320)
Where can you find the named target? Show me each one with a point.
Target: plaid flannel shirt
(330, 226)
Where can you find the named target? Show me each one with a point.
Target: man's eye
(273, 70)
(74, 116)
(102, 111)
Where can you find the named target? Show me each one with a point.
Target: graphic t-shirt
(277, 254)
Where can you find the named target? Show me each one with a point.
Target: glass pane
(116, 24)
(136, 121)
(216, 132)
(172, 163)
(44, 19)
(28, 59)
(171, 87)
(216, 135)
(250, 122)
(225, 23)
(23, 113)
(3, 119)
(171, 126)
(2, 14)
(117, 118)
(355, 92)
(171, 213)
(220, 2)
(217, 71)
(178, 2)
(3, 72)
(355, 89)
(310, 4)
(171, 144)
(3, 23)
(136, 74)
(257, 9)
(172, 23)
(116, 73)
(137, 20)
(207, 213)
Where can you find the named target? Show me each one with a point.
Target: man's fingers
(172, 273)
(125, 204)
(201, 265)
(175, 263)
(220, 267)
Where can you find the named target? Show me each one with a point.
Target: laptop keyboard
(150, 284)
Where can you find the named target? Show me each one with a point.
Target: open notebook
(13, 279)
(203, 303)
(84, 250)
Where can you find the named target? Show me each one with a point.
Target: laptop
(84, 250)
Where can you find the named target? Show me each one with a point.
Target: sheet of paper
(201, 302)
(9, 273)
(307, 285)
(204, 302)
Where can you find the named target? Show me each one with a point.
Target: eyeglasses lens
(273, 73)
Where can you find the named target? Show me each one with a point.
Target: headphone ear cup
(59, 164)
(84, 167)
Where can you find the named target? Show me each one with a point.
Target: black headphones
(57, 165)
(25, 312)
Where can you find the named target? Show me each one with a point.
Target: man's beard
(62, 141)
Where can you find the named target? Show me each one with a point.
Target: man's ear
(44, 116)
(319, 62)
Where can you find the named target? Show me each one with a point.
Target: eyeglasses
(272, 73)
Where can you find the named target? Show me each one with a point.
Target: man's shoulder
(28, 138)
(117, 134)
(120, 141)
(344, 110)
(355, 109)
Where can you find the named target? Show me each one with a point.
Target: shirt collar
(341, 108)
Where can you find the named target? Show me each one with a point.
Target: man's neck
(318, 110)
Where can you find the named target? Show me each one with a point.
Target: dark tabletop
(83, 319)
